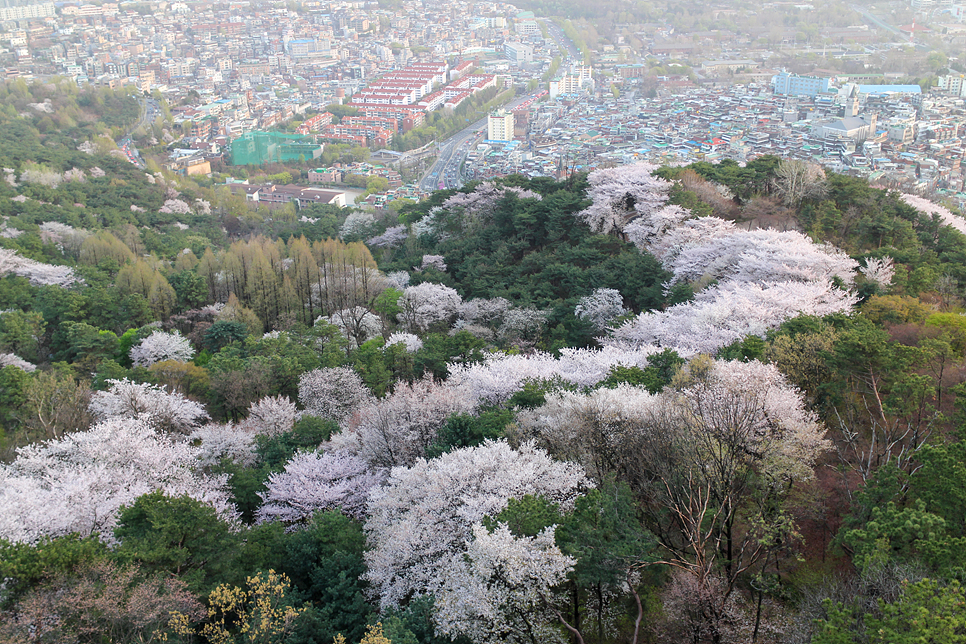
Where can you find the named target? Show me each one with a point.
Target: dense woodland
(719, 403)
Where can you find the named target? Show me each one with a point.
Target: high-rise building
(499, 126)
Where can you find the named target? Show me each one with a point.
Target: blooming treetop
(420, 522)
(720, 315)
(600, 307)
(161, 346)
(151, 403)
(38, 273)
(408, 340)
(333, 392)
(426, 304)
(314, 482)
(397, 429)
(499, 594)
(271, 416)
(879, 271)
(621, 195)
(216, 441)
(77, 483)
(12, 360)
(500, 376)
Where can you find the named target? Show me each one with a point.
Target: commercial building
(794, 85)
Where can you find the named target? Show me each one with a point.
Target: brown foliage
(99, 602)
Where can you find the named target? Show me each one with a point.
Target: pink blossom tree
(879, 271)
(622, 194)
(314, 482)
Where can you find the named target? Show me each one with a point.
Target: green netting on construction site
(256, 148)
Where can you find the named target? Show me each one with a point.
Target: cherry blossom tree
(934, 209)
(314, 482)
(467, 209)
(397, 429)
(436, 261)
(77, 483)
(398, 279)
(410, 341)
(161, 346)
(723, 314)
(501, 375)
(175, 206)
(759, 256)
(600, 307)
(356, 224)
(879, 271)
(271, 416)
(333, 392)
(37, 273)
(623, 194)
(393, 237)
(500, 594)
(488, 312)
(11, 360)
(717, 463)
(601, 429)
(216, 441)
(151, 403)
(421, 521)
(427, 304)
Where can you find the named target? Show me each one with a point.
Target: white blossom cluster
(763, 276)
(721, 315)
(397, 429)
(161, 346)
(600, 307)
(427, 304)
(12, 360)
(421, 521)
(175, 206)
(314, 482)
(37, 273)
(501, 375)
(78, 483)
(879, 271)
(393, 237)
(934, 209)
(150, 403)
(357, 223)
(408, 340)
(333, 392)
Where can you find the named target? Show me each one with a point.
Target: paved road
(565, 44)
(150, 108)
(445, 172)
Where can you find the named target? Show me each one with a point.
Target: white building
(499, 126)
